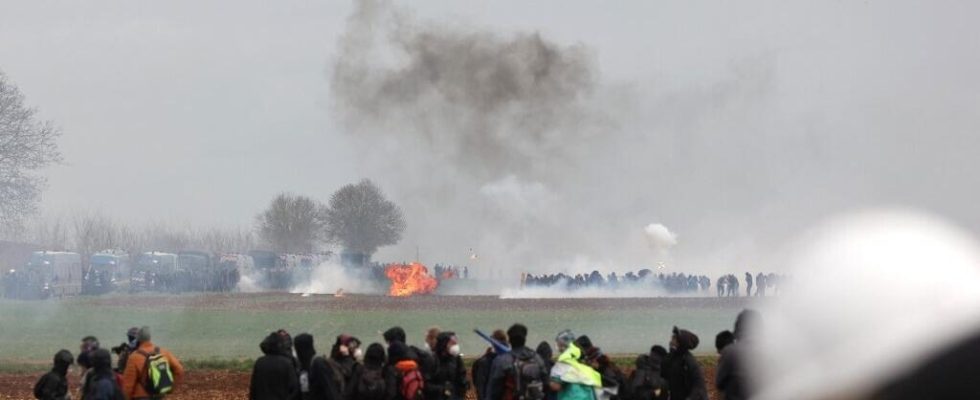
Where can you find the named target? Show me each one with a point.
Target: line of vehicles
(60, 274)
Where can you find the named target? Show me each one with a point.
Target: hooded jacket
(448, 379)
(681, 369)
(274, 375)
(731, 377)
(54, 384)
(101, 381)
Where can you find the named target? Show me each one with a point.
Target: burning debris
(410, 279)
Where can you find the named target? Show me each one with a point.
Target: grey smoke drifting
(480, 133)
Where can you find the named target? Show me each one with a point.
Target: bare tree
(26, 145)
(95, 232)
(291, 224)
(361, 219)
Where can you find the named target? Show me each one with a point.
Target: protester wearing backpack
(519, 374)
(426, 362)
(151, 372)
(409, 383)
(448, 381)
(100, 381)
(372, 381)
(54, 384)
(274, 375)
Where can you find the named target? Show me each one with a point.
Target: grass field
(219, 329)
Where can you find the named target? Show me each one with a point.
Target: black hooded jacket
(448, 378)
(100, 381)
(682, 371)
(54, 384)
(274, 376)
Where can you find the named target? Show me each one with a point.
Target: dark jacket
(448, 378)
(100, 381)
(548, 356)
(274, 376)
(500, 383)
(481, 373)
(54, 384)
(682, 371)
(374, 363)
(322, 384)
(646, 382)
(731, 375)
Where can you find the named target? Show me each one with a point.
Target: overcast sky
(761, 117)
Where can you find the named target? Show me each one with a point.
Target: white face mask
(454, 350)
(358, 355)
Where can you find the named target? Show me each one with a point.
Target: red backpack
(410, 385)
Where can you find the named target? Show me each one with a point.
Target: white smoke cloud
(330, 277)
(659, 237)
(881, 290)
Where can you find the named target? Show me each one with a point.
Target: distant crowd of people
(728, 285)
(673, 283)
(291, 369)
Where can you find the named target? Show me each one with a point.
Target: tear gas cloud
(881, 289)
(517, 144)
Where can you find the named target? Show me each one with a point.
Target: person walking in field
(54, 384)
(748, 283)
(151, 372)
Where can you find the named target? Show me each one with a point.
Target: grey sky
(742, 122)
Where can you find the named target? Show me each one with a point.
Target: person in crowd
(373, 381)
(548, 356)
(731, 377)
(135, 376)
(431, 335)
(481, 367)
(448, 381)
(101, 382)
(681, 369)
(613, 378)
(125, 349)
(723, 339)
(748, 284)
(274, 375)
(646, 382)
(519, 373)
(409, 383)
(87, 346)
(424, 359)
(305, 352)
(563, 339)
(572, 378)
(344, 360)
(760, 284)
(54, 384)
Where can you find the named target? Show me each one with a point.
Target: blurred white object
(871, 296)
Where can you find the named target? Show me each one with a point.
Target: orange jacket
(134, 375)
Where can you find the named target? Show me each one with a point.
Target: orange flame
(409, 279)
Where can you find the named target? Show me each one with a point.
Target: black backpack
(371, 385)
(527, 378)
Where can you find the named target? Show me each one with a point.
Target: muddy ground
(199, 385)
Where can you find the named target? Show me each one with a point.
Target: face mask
(358, 355)
(344, 350)
(454, 350)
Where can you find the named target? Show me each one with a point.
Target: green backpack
(158, 380)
